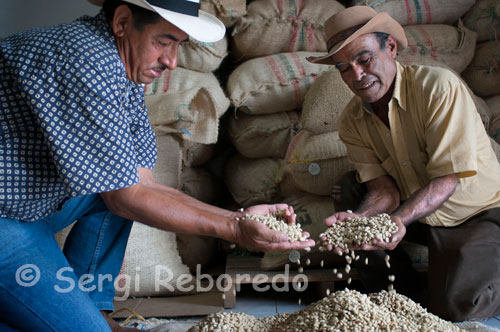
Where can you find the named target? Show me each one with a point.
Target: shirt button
(404, 163)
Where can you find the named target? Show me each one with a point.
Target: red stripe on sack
(428, 41)
(280, 6)
(294, 37)
(310, 36)
(427, 11)
(300, 5)
(166, 81)
(408, 12)
(274, 67)
(413, 48)
(296, 90)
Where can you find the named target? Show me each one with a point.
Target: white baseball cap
(184, 14)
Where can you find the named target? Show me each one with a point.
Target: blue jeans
(44, 289)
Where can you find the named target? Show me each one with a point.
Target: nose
(169, 58)
(358, 71)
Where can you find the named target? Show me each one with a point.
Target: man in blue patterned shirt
(76, 144)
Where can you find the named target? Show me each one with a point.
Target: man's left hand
(393, 241)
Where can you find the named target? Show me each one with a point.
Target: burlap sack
(202, 57)
(260, 136)
(273, 83)
(168, 167)
(200, 184)
(483, 74)
(186, 103)
(311, 210)
(432, 44)
(152, 259)
(484, 19)
(317, 161)
(421, 11)
(228, 11)
(324, 102)
(196, 154)
(175, 155)
(254, 181)
(272, 27)
(493, 106)
(198, 250)
(202, 251)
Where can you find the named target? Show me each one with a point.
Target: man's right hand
(334, 218)
(256, 235)
(339, 216)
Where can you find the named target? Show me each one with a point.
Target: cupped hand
(334, 218)
(394, 240)
(256, 235)
(264, 209)
(339, 216)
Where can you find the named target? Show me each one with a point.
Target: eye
(364, 59)
(342, 67)
(163, 43)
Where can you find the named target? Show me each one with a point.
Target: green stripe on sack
(418, 10)
(293, 7)
(302, 34)
(422, 48)
(288, 66)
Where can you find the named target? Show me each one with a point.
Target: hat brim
(381, 22)
(204, 28)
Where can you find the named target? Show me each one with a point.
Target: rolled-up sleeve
(450, 131)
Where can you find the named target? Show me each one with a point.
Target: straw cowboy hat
(184, 14)
(352, 22)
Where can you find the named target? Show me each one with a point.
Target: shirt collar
(399, 94)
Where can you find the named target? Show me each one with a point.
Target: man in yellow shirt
(422, 154)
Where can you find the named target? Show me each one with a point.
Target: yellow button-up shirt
(435, 130)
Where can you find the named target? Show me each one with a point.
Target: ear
(392, 46)
(121, 19)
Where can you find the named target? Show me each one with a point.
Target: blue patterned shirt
(71, 122)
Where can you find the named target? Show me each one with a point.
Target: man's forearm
(382, 197)
(427, 199)
(171, 211)
(374, 203)
(186, 199)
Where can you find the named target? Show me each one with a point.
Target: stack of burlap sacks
(287, 144)
(483, 73)
(285, 128)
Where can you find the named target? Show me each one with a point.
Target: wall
(20, 15)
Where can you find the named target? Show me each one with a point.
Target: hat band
(342, 35)
(183, 7)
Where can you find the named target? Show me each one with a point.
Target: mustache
(159, 68)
